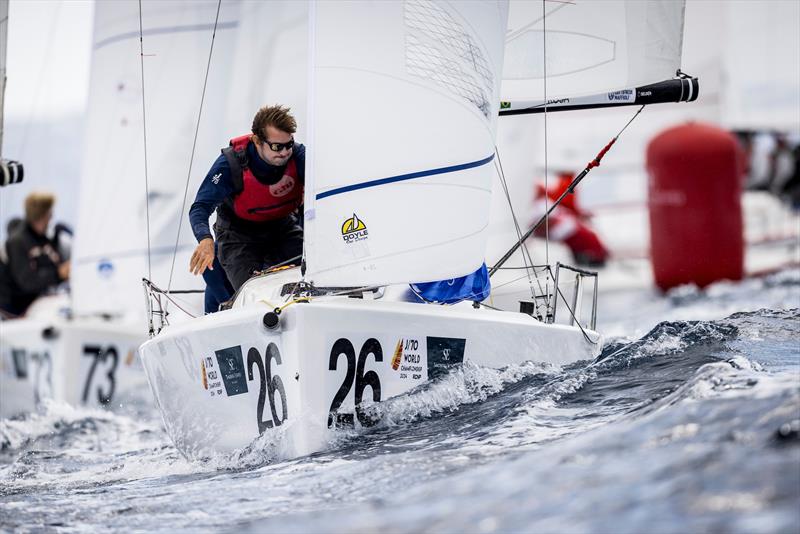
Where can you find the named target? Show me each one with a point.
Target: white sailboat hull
(83, 362)
(222, 380)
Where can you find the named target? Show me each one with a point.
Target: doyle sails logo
(354, 229)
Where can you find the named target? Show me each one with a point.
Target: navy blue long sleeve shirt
(218, 185)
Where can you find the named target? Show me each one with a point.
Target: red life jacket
(256, 201)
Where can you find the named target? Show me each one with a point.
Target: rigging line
(629, 122)
(173, 301)
(40, 85)
(502, 174)
(546, 187)
(508, 282)
(483, 304)
(504, 185)
(577, 321)
(144, 134)
(185, 305)
(156, 293)
(589, 166)
(265, 272)
(194, 146)
(526, 260)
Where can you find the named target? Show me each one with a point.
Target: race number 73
(101, 355)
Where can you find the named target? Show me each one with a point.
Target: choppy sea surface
(689, 421)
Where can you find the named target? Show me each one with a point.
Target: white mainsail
(592, 47)
(403, 107)
(111, 247)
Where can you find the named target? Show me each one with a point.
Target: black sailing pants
(245, 250)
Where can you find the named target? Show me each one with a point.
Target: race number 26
(355, 373)
(269, 385)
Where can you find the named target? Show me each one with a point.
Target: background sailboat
(115, 247)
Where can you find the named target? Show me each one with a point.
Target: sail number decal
(101, 355)
(355, 374)
(233, 371)
(36, 366)
(269, 385)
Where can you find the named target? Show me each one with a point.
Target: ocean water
(689, 421)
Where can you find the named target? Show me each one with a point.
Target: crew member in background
(35, 267)
(568, 223)
(5, 273)
(772, 163)
(256, 186)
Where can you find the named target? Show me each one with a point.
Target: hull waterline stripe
(403, 177)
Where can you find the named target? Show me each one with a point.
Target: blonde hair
(37, 205)
(276, 116)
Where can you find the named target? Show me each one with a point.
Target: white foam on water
(464, 385)
(60, 445)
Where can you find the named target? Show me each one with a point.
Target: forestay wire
(546, 169)
(194, 145)
(526, 255)
(144, 133)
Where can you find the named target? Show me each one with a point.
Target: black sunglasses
(277, 147)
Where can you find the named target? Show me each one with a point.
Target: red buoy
(695, 175)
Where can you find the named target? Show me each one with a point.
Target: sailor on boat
(256, 187)
(568, 223)
(35, 264)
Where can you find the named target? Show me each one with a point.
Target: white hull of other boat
(81, 361)
(222, 380)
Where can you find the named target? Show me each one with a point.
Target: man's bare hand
(203, 257)
(63, 270)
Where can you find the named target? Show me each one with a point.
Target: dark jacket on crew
(244, 246)
(32, 268)
(6, 293)
(218, 186)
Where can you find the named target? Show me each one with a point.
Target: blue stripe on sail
(403, 177)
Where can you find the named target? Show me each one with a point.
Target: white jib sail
(593, 46)
(111, 239)
(403, 105)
